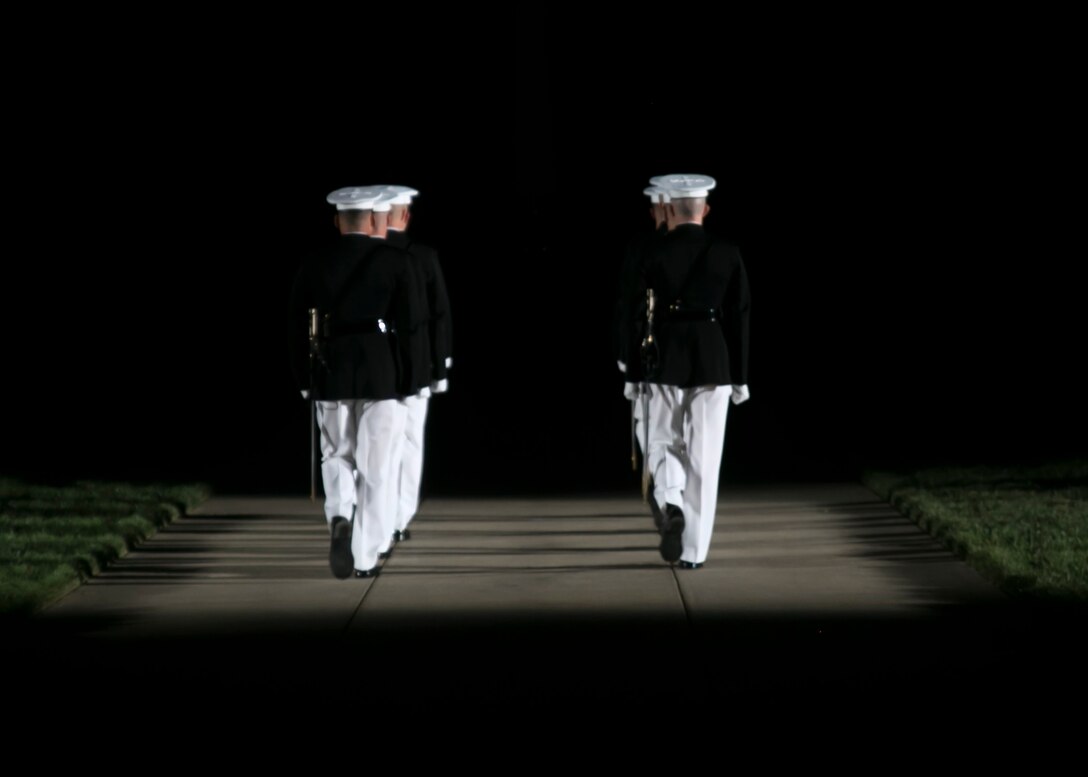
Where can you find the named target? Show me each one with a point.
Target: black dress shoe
(402, 535)
(688, 565)
(386, 553)
(655, 509)
(672, 533)
(340, 559)
(372, 572)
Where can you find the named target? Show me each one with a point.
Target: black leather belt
(674, 313)
(370, 326)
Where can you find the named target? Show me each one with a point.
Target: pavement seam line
(359, 606)
(680, 593)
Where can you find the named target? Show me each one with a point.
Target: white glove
(623, 367)
(740, 394)
(305, 394)
(630, 390)
(449, 362)
(440, 386)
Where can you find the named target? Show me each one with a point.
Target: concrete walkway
(809, 589)
(811, 551)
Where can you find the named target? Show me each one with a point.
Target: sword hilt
(648, 349)
(315, 351)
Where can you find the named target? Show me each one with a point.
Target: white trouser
(639, 429)
(411, 460)
(392, 494)
(358, 437)
(687, 434)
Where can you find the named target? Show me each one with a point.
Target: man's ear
(706, 210)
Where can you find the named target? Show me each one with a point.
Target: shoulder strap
(334, 306)
(696, 269)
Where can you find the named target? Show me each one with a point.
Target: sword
(645, 442)
(649, 364)
(315, 354)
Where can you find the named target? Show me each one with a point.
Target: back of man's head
(352, 220)
(398, 217)
(690, 208)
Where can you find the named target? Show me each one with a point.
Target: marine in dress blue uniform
(432, 352)
(702, 304)
(364, 291)
(627, 307)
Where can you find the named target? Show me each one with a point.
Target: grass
(1024, 528)
(52, 538)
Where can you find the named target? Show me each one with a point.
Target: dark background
(897, 187)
